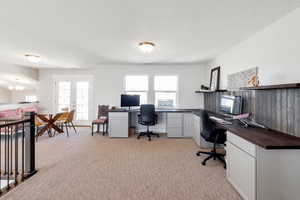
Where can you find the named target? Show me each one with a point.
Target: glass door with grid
(74, 94)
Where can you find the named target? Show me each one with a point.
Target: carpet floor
(86, 167)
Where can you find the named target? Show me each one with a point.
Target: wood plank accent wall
(277, 109)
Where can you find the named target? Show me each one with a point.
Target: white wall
(13, 75)
(275, 50)
(108, 82)
(5, 96)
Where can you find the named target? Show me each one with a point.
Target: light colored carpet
(86, 167)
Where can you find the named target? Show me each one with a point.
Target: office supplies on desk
(219, 120)
(241, 116)
(250, 123)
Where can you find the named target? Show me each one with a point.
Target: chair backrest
(70, 116)
(208, 126)
(103, 111)
(147, 112)
(64, 116)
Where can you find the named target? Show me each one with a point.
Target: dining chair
(62, 119)
(102, 119)
(69, 121)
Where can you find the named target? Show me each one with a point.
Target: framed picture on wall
(215, 79)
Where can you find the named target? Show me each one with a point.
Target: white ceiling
(88, 33)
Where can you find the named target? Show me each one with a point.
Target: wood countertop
(265, 138)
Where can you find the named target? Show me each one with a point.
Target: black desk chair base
(213, 154)
(148, 134)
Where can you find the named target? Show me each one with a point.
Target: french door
(74, 93)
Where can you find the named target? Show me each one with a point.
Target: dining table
(49, 123)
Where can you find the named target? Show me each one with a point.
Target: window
(31, 98)
(137, 85)
(165, 88)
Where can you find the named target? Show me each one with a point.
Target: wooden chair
(102, 119)
(66, 120)
(62, 119)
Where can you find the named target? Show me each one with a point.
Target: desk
(174, 122)
(262, 164)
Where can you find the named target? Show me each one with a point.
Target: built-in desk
(174, 122)
(262, 164)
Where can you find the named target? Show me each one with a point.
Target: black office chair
(212, 134)
(147, 117)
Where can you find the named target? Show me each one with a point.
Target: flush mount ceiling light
(146, 47)
(33, 58)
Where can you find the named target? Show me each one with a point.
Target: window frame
(146, 91)
(167, 91)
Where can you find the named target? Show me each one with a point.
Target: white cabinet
(241, 171)
(262, 174)
(118, 124)
(174, 124)
(196, 129)
(188, 125)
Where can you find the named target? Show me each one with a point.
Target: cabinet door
(174, 120)
(175, 132)
(188, 122)
(241, 169)
(118, 127)
(196, 124)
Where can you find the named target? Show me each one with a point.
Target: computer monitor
(130, 100)
(231, 105)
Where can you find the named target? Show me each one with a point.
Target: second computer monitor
(231, 105)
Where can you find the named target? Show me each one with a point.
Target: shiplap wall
(277, 109)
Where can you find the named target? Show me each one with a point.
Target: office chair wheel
(198, 154)
(138, 137)
(149, 138)
(203, 163)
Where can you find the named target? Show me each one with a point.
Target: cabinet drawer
(242, 143)
(118, 114)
